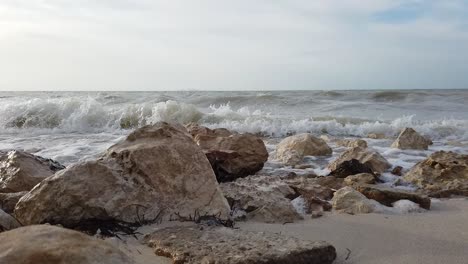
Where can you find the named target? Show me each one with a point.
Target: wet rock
(21, 171)
(262, 198)
(350, 167)
(292, 150)
(8, 201)
(398, 171)
(155, 172)
(376, 135)
(330, 182)
(191, 244)
(245, 154)
(410, 139)
(195, 130)
(361, 178)
(371, 158)
(351, 143)
(348, 200)
(387, 196)
(50, 244)
(315, 197)
(7, 222)
(442, 174)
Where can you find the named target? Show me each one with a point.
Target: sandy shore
(437, 236)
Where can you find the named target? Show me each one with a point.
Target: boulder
(442, 174)
(262, 199)
(351, 143)
(51, 244)
(21, 171)
(301, 145)
(398, 171)
(243, 154)
(8, 201)
(348, 200)
(361, 178)
(350, 167)
(195, 130)
(388, 196)
(7, 222)
(157, 171)
(315, 197)
(410, 139)
(371, 158)
(193, 244)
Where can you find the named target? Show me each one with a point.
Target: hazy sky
(230, 45)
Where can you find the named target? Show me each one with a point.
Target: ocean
(74, 126)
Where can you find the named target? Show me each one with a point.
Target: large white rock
(156, 170)
(21, 171)
(348, 200)
(366, 156)
(291, 150)
(410, 139)
(55, 245)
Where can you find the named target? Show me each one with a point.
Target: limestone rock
(192, 244)
(410, 139)
(299, 146)
(247, 154)
(371, 158)
(387, 196)
(350, 167)
(440, 175)
(50, 244)
(21, 171)
(156, 170)
(361, 178)
(351, 143)
(9, 200)
(7, 222)
(348, 200)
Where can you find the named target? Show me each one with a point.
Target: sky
(233, 45)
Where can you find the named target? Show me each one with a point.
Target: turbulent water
(70, 126)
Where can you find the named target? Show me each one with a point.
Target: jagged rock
(442, 174)
(292, 150)
(397, 171)
(348, 200)
(21, 171)
(351, 143)
(361, 178)
(7, 222)
(244, 154)
(262, 198)
(9, 200)
(350, 167)
(192, 244)
(387, 196)
(368, 157)
(51, 244)
(410, 139)
(156, 171)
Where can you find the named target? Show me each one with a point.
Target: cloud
(216, 45)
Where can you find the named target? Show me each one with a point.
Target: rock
(350, 167)
(290, 148)
(330, 182)
(387, 196)
(410, 139)
(304, 166)
(51, 244)
(192, 244)
(442, 174)
(368, 157)
(397, 171)
(348, 200)
(195, 130)
(156, 171)
(9, 200)
(316, 214)
(376, 135)
(315, 197)
(7, 222)
(351, 143)
(21, 171)
(361, 178)
(262, 198)
(247, 154)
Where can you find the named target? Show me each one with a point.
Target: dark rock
(387, 196)
(350, 167)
